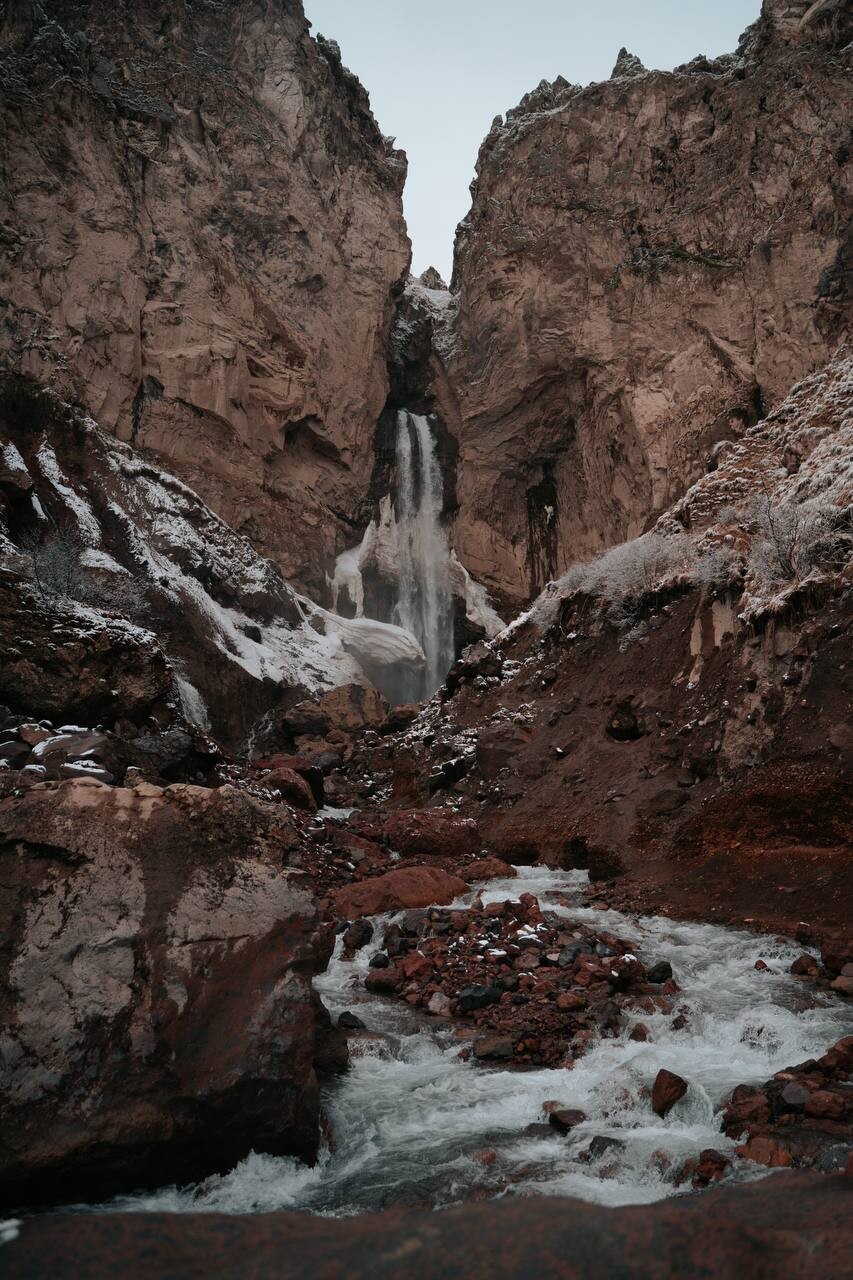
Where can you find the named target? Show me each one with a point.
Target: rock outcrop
(649, 264)
(794, 1226)
(202, 233)
(122, 585)
(158, 1017)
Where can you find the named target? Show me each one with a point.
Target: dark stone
(380, 960)
(350, 1022)
(358, 934)
(600, 1144)
(660, 972)
(478, 997)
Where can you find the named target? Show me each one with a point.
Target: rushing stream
(410, 1117)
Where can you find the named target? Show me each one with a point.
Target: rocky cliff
(202, 232)
(648, 265)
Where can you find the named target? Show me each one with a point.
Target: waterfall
(425, 597)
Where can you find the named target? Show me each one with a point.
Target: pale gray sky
(439, 71)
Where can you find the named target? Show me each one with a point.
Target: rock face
(158, 1018)
(110, 559)
(796, 1226)
(729, 796)
(202, 232)
(648, 264)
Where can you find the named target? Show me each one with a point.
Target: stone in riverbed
(348, 1021)
(493, 1047)
(477, 996)
(357, 935)
(668, 1089)
(564, 1119)
(405, 887)
(382, 981)
(659, 973)
(489, 869)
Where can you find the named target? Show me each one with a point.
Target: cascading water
(411, 1115)
(425, 600)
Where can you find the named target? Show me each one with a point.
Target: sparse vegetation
(59, 571)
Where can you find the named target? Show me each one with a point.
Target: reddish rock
(805, 966)
(668, 1088)
(432, 832)
(493, 1047)
(383, 981)
(827, 1105)
(404, 887)
(711, 1167)
(564, 1119)
(291, 787)
(767, 1152)
(415, 965)
(489, 869)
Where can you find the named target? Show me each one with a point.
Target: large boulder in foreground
(155, 988)
(796, 1226)
(397, 891)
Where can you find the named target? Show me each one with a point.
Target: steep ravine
(563, 922)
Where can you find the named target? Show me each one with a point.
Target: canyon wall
(648, 265)
(202, 235)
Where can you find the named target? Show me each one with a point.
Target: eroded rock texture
(793, 1227)
(648, 264)
(202, 231)
(158, 1018)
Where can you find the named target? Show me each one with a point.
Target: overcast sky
(439, 71)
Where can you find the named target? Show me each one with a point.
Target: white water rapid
(425, 599)
(409, 1116)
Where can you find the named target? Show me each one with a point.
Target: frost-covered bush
(793, 539)
(626, 574)
(59, 570)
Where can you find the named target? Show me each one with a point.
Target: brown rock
(432, 831)
(565, 1119)
(157, 988)
(797, 1226)
(489, 869)
(493, 1047)
(396, 890)
(668, 1088)
(262, 393)
(291, 787)
(767, 1152)
(519, 357)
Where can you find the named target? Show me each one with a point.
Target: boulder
(291, 787)
(797, 1227)
(489, 869)
(490, 1048)
(477, 996)
(405, 887)
(668, 1089)
(432, 832)
(659, 973)
(155, 988)
(564, 1119)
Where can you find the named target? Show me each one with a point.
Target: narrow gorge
(426, 710)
